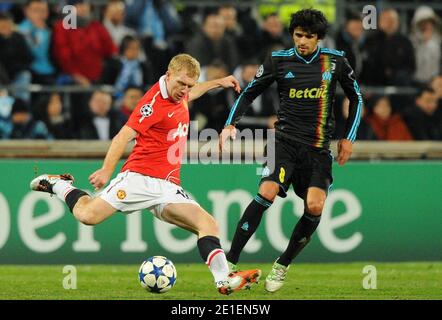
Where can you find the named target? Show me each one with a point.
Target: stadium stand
(394, 61)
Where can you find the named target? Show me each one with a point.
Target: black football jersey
(306, 87)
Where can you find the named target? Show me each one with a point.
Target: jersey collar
(163, 87)
(310, 58)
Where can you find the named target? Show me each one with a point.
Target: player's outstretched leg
(193, 218)
(60, 185)
(46, 182)
(85, 209)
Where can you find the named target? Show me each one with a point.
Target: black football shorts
(299, 165)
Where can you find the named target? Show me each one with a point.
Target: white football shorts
(132, 191)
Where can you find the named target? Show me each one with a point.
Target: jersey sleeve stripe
(333, 51)
(235, 105)
(354, 128)
(283, 53)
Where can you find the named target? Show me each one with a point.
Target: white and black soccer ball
(157, 274)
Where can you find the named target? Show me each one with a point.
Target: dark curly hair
(311, 21)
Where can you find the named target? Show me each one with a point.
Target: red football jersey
(162, 127)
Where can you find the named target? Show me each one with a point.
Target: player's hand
(345, 148)
(99, 178)
(228, 132)
(230, 82)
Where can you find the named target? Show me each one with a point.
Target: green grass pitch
(421, 280)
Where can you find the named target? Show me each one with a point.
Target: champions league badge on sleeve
(146, 111)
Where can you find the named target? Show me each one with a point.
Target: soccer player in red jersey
(150, 178)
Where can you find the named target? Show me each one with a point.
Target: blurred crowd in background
(128, 44)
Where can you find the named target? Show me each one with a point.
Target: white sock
(217, 264)
(61, 188)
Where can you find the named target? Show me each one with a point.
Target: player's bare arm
(100, 177)
(201, 88)
(345, 148)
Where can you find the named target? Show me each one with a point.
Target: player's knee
(269, 191)
(315, 207)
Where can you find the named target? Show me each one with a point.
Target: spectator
(365, 132)
(425, 118)
(130, 100)
(38, 38)
(6, 102)
(390, 55)
(245, 42)
(21, 125)
(426, 39)
(15, 56)
(5, 7)
(212, 45)
(351, 40)
(436, 85)
(4, 78)
(51, 113)
(274, 36)
(103, 123)
(127, 69)
(114, 22)
(264, 106)
(229, 14)
(80, 52)
(156, 21)
(210, 110)
(327, 42)
(386, 124)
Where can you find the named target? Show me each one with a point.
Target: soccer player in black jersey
(306, 76)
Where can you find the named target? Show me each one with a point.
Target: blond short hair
(186, 62)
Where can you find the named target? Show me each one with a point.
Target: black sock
(73, 196)
(247, 226)
(206, 245)
(300, 237)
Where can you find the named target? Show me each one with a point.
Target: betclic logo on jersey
(309, 93)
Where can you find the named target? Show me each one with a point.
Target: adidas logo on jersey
(289, 75)
(181, 131)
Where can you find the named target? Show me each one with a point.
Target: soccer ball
(157, 274)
